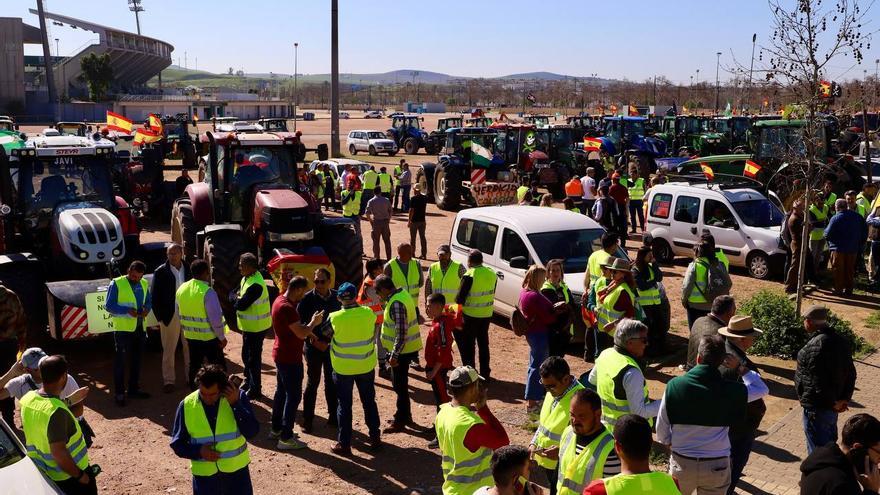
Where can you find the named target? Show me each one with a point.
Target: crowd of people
(594, 433)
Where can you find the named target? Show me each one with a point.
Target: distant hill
(538, 76)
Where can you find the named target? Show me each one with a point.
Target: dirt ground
(132, 442)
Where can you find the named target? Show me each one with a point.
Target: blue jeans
(252, 359)
(234, 483)
(366, 385)
(288, 393)
(820, 427)
(636, 211)
(538, 352)
(129, 346)
(405, 191)
(740, 450)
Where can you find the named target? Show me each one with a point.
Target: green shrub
(784, 333)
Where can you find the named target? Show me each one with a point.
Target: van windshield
(571, 246)
(759, 213)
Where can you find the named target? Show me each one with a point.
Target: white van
(512, 238)
(744, 222)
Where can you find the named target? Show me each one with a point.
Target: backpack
(718, 282)
(519, 323)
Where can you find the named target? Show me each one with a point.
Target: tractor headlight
(83, 255)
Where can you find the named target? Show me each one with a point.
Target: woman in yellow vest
(556, 291)
(59, 450)
(555, 415)
(211, 429)
(695, 291)
(129, 302)
(635, 185)
(617, 300)
(819, 214)
(253, 315)
(652, 298)
(586, 450)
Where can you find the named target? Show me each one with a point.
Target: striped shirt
(612, 463)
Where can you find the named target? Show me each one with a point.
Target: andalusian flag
(118, 123)
(751, 169)
(727, 111)
(592, 144)
(155, 123)
(145, 136)
(480, 155)
(707, 171)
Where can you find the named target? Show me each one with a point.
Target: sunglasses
(320, 281)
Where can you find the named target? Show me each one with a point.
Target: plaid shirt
(13, 322)
(401, 325)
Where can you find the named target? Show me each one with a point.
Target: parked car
(373, 142)
(18, 473)
(373, 114)
(512, 238)
(743, 221)
(344, 115)
(337, 167)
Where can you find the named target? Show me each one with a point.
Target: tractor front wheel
(447, 188)
(183, 228)
(222, 250)
(411, 146)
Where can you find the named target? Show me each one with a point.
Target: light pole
(135, 6)
(295, 88)
(752, 65)
(717, 80)
(334, 78)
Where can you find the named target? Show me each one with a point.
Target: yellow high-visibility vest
(612, 364)
(480, 300)
(464, 472)
(258, 316)
(193, 315)
(125, 297)
(36, 411)
(555, 416)
(353, 347)
(225, 437)
(413, 340)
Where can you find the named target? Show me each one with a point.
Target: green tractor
(436, 140)
(734, 131)
(478, 122)
(687, 135)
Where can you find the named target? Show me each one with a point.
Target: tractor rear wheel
(345, 250)
(183, 228)
(447, 188)
(411, 146)
(222, 250)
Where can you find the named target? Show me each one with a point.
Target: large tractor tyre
(28, 283)
(430, 148)
(222, 250)
(447, 188)
(184, 229)
(411, 146)
(345, 250)
(422, 180)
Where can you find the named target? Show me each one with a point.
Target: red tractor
(251, 200)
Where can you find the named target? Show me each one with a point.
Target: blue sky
(633, 39)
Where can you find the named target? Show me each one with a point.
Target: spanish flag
(145, 136)
(592, 144)
(155, 123)
(633, 111)
(707, 171)
(118, 123)
(751, 169)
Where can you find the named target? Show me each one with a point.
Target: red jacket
(438, 345)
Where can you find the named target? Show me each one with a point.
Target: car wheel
(372, 151)
(662, 251)
(758, 265)
(392, 153)
(352, 150)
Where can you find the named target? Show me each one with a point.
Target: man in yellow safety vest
(635, 186)
(54, 439)
(610, 245)
(586, 450)
(211, 429)
(370, 180)
(405, 271)
(351, 205)
(477, 297)
(201, 320)
(253, 315)
(385, 183)
(555, 415)
(128, 302)
(444, 276)
(819, 212)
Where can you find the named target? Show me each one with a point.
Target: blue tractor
(629, 136)
(406, 130)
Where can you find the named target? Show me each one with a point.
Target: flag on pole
(145, 136)
(751, 169)
(480, 155)
(633, 111)
(727, 110)
(707, 171)
(118, 123)
(155, 123)
(592, 144)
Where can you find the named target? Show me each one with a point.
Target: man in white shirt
(24, 376)
(588, 182)
(166, 280)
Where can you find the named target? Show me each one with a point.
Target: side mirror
(519, 262)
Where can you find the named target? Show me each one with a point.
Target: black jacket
(163, 291)
(827, 471)
(756, 409)
(825, 371)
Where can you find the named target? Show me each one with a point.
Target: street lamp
(752, 64)
(135, 6)
(295, 89)
(717, 80)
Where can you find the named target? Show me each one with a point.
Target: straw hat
(617, 265)
(740, 326)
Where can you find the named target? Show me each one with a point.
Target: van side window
(477, 235)
(512, 246)
(717, 214)
(660, 205)
(687, 209)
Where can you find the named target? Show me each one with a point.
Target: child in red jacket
(438, 345)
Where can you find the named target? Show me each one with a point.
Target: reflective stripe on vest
(605, 308)
(258, 316)
(818, 233)
(650, 297)
(409, 283)
(373, 303)
(225, 437)
(555, 416)
(480, 300)
(353, 347)
(193, 315)
(385, 182)
(370, 179)
(576, 470)
(353, 207)
(654, 483)
(413, 340)
(701, 281)
(36, 411)
(637, 189)
(125, 297)
(463, 471)
(612, 364)
(565, 294)
(446, 283)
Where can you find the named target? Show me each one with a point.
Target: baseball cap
(347, 291)
(464, 376)
(31, 357)
(444, 248)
